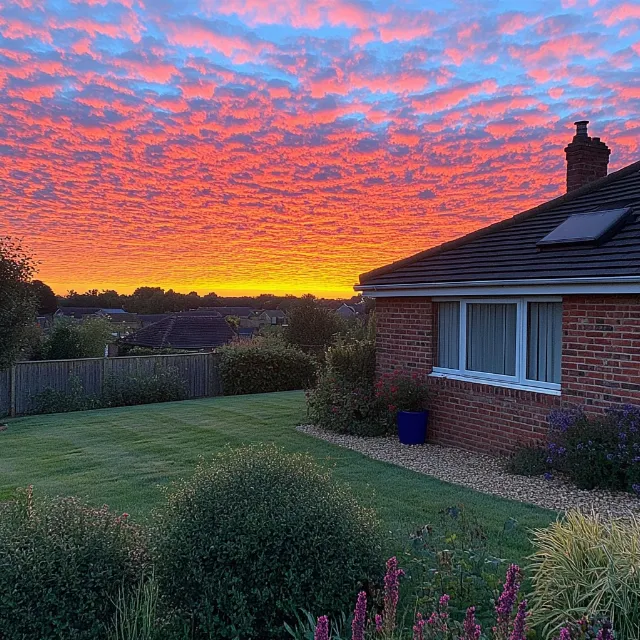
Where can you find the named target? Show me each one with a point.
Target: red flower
(392, 407)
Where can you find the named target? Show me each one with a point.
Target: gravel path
(483, 473)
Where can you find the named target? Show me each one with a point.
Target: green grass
(120, 457)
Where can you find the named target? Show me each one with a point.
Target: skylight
(586, 228)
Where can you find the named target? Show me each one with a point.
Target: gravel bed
(483, 473)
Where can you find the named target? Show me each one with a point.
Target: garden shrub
(56, 401)
(528, 460)
(585, 565)
(597, 452)
(263, 366)
(62, 565)
(164, 385)
(344, 398)
(255, 536)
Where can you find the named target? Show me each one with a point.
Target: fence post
(104, 375)
(12, 392)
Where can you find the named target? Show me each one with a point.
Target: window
(511, 341)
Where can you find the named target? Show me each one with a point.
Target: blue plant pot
(412, 426)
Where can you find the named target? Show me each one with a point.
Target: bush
(345, 407)
(400, 391)
(62, 565)
(165, 385)
(353, 362)
(263, 366)
(528, 460)
(54, 401)
(583, 565)
(344, 399)
(596, 452)
(257, 535)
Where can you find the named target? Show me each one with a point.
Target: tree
(47, 301)
(312, 327)
(69, 339)
(95, 334)
(63, 341)
(17, 302)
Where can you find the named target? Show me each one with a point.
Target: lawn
(121, 457)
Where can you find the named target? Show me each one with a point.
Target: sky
(287, 146)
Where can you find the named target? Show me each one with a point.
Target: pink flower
(322, 629)
(359, 617)
(520, 623)
(472, 629)
(378, 621)
(418, 628)
(391, 587)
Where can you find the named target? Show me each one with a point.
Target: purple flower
(605, 632)
(472, 629)
(565, 634)
(636, 488)
(391, 586)
(507, 600)
(322, 629)
(520, 623)
(548, 476)
(418, 628)
(359, 617)
(378, 621)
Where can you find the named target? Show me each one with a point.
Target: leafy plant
(451, 557)
(584, 565)
(18, 304)
(528, 460)
(312, 327)
(165, 385)
(345, 406)
(59, 401)
(263, 366)
(596, 452)
(62, 565)
(257, 535)
(400, 391)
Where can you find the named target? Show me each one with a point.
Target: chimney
(587, 158)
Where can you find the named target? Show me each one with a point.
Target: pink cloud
(625, 11)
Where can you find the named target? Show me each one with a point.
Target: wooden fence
(23, 381)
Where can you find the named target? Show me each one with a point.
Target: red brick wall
(404, 338)
(601, 350)
(600, 367)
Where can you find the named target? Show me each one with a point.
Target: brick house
(528, 314)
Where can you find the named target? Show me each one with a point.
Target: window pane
(449, 335)
(491, 338)
(544, 344)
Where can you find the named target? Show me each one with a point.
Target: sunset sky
(287, 146)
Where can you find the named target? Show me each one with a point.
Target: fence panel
(34, 377)
(199, 370)
(5, 392)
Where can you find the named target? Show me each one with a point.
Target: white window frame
(519, 381)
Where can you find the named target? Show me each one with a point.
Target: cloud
(289, 146)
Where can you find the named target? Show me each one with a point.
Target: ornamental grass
(585, 565)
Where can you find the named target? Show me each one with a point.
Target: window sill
(496, 383)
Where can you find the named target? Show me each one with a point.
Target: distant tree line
(147, 300)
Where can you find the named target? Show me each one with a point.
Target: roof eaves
(502, 224)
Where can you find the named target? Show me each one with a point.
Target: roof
(507, 250)
(77, 312)
(123, 317)
(150, 318)
(240, 312)
(275, 313)
(182, 332)
(112, 311)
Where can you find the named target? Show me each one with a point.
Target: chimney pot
(587, 158)
(581, 128)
